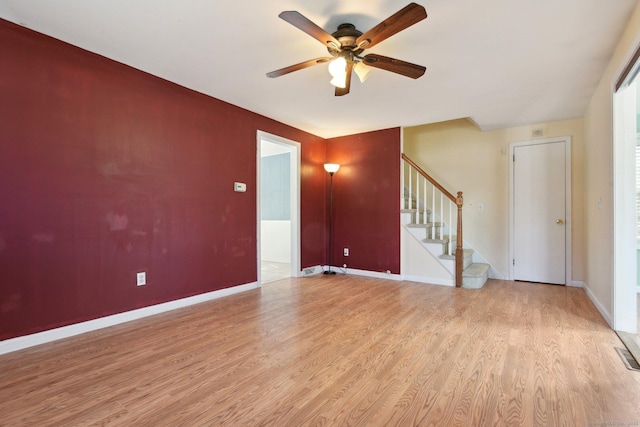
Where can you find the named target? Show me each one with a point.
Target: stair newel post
(459, 251)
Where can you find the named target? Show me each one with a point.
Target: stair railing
(428, 193)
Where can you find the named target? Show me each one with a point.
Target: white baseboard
(310, 271)
(603, 311)
(19, 343)
(381, 275)
(365, 273)
(420, 279)
(576, 284)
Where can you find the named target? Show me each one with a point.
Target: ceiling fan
(347, 44)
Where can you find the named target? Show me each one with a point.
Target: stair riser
(475, 277)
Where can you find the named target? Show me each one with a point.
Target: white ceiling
(501, 63)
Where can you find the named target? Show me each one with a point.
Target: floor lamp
(331, 168)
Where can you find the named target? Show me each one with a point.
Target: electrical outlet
(345, 251)
(141, 278)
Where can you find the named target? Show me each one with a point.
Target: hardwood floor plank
(340, 350)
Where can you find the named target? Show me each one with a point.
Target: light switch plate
(239, 187)
(141, 278)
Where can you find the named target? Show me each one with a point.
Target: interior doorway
(278, 195)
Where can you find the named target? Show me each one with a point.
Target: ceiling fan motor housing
(347, 36)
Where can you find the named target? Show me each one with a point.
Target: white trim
(313, 271)
(380, 275)
(603, 311)
(623, 64)
(389, 276)
(623, 210)
(294, 148)
(568, 221)
(19, 343)
(576, 284)
(426, 280)
(365, 273)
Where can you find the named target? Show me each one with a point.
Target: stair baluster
(433, 204)
(425, 218)
(456, 201)
(410, 192)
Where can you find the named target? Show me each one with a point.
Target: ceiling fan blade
(296, 67)
(302, 23)
(345, 90)
(394, 65)
(397, 22)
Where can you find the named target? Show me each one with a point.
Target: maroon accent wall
(106, 171)
(366, 204)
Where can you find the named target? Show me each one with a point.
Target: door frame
(623, 297)
(295, 200)
(567, 191)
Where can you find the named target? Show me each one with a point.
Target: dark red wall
(106, 171)
(366, 193)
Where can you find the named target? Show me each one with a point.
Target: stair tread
(475, 270)
(427, 225)
(443, 240)
(467, 252)
(411, 210)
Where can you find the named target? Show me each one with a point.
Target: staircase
(427, 213)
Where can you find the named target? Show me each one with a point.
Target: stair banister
(458, 200)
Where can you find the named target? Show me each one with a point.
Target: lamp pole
(331, 168)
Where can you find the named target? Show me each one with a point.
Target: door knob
(560, 221)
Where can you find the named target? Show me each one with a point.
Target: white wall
(418, 265)
(275, 242)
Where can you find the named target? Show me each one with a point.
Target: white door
(539, 212)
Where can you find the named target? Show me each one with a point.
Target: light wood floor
(337, 351)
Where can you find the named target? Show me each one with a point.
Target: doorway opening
(626, 202)
(278, 208)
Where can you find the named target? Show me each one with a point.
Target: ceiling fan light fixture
(338, 70)
(362, 71)
(339, 81)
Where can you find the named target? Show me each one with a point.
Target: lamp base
(329, 272)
